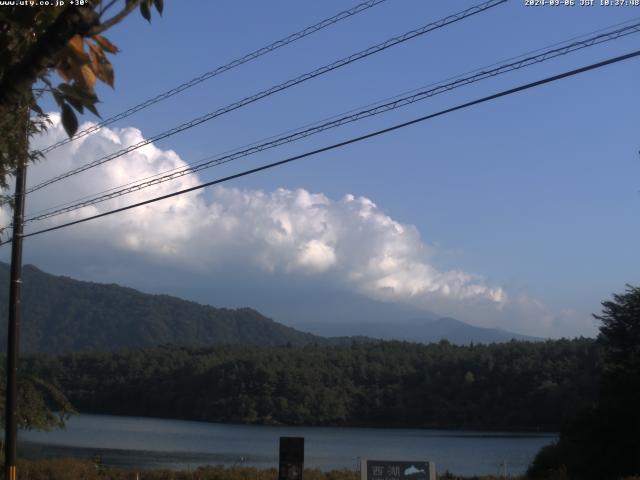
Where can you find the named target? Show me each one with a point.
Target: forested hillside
(516, 385)
(61, 314)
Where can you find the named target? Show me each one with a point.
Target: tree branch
(96, 29)
(41, 56)
(103, 9)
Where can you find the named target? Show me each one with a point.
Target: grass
(74, 469)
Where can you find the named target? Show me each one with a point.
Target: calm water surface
(145, 443)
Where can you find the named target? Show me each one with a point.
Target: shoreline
(439, 428)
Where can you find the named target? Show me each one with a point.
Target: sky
(520, 213)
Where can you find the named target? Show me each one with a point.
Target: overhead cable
(221, 69)
(396, 103)
(280, 87)
(334, 146)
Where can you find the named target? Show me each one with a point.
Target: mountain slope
(457, 332)
(425, 328)
(61, 314)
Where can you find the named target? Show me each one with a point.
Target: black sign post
(291, 458)
(396, 470)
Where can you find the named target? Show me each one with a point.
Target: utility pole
(11, 413)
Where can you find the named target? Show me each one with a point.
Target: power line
(414, 96)
(277, 88)
(221, 69)
(280, 87)
(326, 119)
(376, 133)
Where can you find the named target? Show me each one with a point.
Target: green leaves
(67, 96)
(69, 120)
(36, 108)
(145, 8)
(73, 92)
(41, 405)
(159, 5)
(25, 38)
(79, 70)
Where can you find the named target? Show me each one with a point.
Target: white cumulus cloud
(349, 241)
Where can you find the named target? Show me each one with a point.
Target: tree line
(516, 385)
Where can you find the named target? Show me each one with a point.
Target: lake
(145, 443)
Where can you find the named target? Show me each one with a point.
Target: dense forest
(515, 385)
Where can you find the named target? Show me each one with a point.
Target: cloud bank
(349, 242)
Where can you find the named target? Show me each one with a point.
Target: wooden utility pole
(15, 290)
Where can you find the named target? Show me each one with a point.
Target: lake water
(146, 443)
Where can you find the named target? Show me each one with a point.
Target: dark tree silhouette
(603, 442)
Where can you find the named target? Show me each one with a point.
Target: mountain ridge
(62, 314)
(73, 315)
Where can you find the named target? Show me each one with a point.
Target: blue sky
(537, 193)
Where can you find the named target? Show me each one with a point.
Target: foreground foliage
(41, 405)
(516, 385)
(74, 469)
(38, 39)
(603, 441)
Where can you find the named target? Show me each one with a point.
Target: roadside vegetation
(73, 469)
(76, 469)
